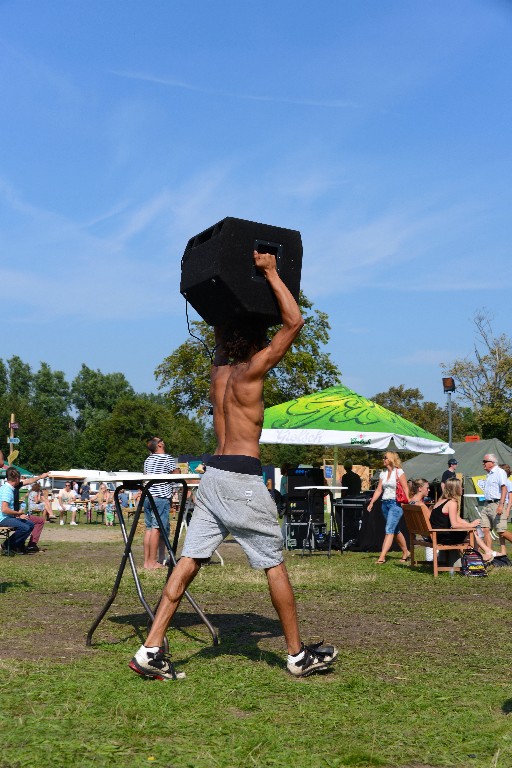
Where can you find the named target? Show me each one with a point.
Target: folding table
(137, 481)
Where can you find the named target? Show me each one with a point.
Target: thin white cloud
(171, 82)
(142, 218)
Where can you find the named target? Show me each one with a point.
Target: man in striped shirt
(157, 463)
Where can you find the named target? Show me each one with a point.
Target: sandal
(380, 562)
(405, 559)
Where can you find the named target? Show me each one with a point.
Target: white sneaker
(156, 664)
(62, 522)
(315, 658)
(73, 523)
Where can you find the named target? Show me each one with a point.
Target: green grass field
(423, 678)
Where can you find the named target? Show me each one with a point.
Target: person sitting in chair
(445, 514)
(39, 503)
(11, 517)
(66, 503)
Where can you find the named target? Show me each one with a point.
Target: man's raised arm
(290, 313)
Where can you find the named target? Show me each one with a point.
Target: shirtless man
(232, 498)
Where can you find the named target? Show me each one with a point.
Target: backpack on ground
(472, 564)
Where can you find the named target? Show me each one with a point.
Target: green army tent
(469, 455)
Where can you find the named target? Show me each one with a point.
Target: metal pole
(335, 466)
(449, 419)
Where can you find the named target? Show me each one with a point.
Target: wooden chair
(417, 519)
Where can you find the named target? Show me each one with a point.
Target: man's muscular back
(236, 391)
(238, 410)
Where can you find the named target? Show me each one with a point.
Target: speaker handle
(265, 246)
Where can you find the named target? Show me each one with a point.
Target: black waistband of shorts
(243, 465)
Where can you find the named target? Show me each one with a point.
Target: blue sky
(378, 128)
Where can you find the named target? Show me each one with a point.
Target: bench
(5, 533)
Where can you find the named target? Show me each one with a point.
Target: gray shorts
(236, 504)
(491, 519)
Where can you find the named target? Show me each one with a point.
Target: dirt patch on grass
(55, 624)
(94, 533)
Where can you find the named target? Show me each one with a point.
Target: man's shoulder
(6, 491)
(159, 461)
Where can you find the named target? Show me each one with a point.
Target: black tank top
(438, 518)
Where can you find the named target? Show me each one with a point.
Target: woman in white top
(38, 503)
(391, 510)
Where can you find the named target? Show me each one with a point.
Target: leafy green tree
(51, 445)
(486, 380)
(306, 368)
(94, 391)
(410, 404)
(92, 442)
(19, 379)
(4, 380)
(45, 442)
(134, 420)
(51, 392)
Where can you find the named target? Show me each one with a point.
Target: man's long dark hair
(242, 338)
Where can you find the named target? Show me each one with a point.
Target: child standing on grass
(110, 510)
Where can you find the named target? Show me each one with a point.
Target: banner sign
(479, 482)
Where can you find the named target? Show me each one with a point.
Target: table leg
(127, 556)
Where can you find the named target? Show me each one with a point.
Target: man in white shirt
(494, 515)
(66, 503)
(506, 535)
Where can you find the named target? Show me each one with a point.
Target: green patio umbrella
(340, 417)
(21, 470)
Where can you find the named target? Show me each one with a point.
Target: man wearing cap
(450, 473)
(495, 492)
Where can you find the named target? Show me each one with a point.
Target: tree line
(95, 421)
(98, 421)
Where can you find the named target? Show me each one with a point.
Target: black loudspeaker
(297, 507)
(218, 276)
(349, 516)
(298, 476)
(296, 534)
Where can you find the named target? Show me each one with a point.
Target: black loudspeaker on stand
(218, 276)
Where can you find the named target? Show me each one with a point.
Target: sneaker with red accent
(155, 664)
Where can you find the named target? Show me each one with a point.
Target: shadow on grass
(507, 707)
(6, 585)
(239, 633)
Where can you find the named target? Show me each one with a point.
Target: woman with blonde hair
(101, 499)
(391, 509)
(445, 514)
(418, 490)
